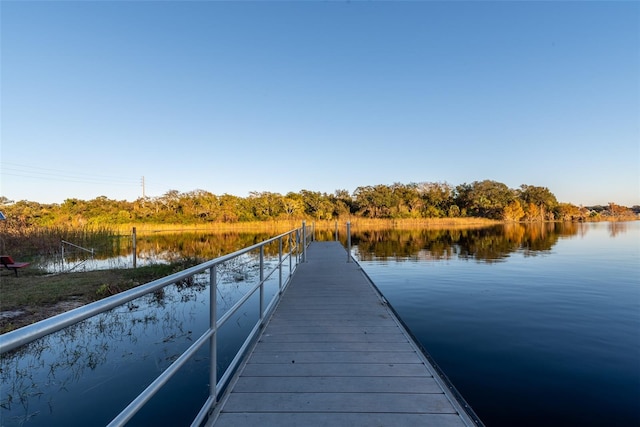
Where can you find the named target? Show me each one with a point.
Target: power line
(79, 181)
(26, 171)
(67, 176)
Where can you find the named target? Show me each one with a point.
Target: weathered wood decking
(334, 354)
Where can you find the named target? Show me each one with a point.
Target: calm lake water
(535, 325)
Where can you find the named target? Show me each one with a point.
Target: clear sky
(234, 97)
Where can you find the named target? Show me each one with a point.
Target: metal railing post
(261, 284)
(280, 265)
(134, 248)
(290, 254)
(213, 344)
(304, 241)
(348, 241)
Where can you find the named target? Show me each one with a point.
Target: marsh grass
(420, 223)
(271, 227)
(35, 293)
(281, 226)
(27, 243)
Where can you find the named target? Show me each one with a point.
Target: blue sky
(234, 97)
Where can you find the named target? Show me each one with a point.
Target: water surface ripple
(536, 334)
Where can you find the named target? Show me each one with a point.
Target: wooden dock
(334, 354)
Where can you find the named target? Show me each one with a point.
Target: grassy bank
(276, 227)
(35, 296)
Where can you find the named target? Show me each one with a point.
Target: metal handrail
(63, 242)
(298, 240)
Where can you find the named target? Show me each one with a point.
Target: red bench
(9, 263)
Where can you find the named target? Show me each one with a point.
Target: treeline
(486, 199)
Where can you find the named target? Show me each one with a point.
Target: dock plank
(417, 403)
(336, 346)
(336, 370)
(324, 419)
(332, 337)
(334, 354)
(422, 384)
(334, 357)
(313, 328)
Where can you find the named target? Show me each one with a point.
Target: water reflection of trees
(40, 379)
(616, 228)
(484, 244)
(198, 245)
(160, 247)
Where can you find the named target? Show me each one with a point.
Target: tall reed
(30, 242)
(280, 226)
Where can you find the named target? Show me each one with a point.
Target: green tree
(317, 205)
(342, 203)
(228, 210)
(293, 206)
(513, 211)
(618, 211)
(407, 199)
(484, 198)
(375, 201)
(542, 198)
(437, 198)
(266, 205)
(569, 212)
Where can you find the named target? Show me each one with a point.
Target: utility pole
(143, 195)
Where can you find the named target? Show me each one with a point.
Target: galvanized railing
(297, 241)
